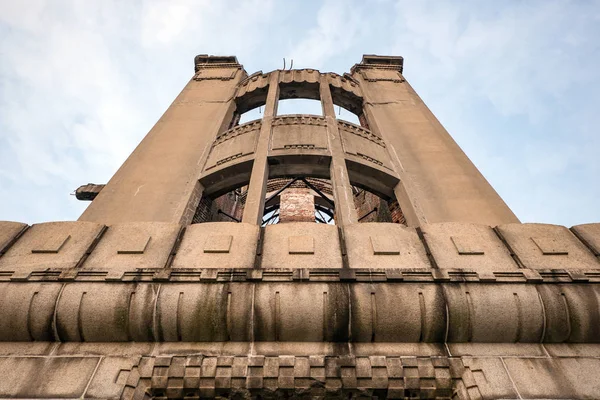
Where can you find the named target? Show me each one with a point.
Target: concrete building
(298, 256)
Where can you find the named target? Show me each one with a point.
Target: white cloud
(515, 83)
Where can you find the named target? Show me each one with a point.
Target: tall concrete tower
(298, 256)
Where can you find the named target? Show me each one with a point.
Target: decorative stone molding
(346, 377)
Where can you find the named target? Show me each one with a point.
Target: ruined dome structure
(298, 256)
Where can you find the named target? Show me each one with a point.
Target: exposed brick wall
(366, 202)
(233, 203)
(297, 205)
(208, 209)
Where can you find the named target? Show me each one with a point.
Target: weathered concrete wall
(159, 181)
(438, 181)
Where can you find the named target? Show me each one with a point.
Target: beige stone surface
(381, 245)
(287, 312)
(26, 310)
(441, 182)
(467, 246)
(204, 312)
(277, 252)
(493, 313)
(558, 378)
(571, 312)
(105, 312)
(488, 379)
(133, 245)
(497, 349)
(545, 246)
(110, 377)
(590, 235)
(8, 232)
(158, 180)
(199, 238)
(394, 313)
(35, 377)
(226, 310)
(51, 245)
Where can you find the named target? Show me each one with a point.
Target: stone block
(590, 235)
(467, 246)
(110, 377)
(384, 245)
(133, 245)
(309, 312)
(572, 312)
(8, 232)
(26, 310)
(218, 244)
(556, 378)
(41, 377)
(106, 312)
(488, 376)
(288, 246)
(301, 245)
(493, 313)
(213, 236)
(197, 312)
(397, 313)
(544, 246)
(496, 349)
(51, 245)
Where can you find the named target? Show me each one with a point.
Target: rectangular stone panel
(214, 237)
(289, 246)
(232, 144)
(299, 132)
(590, 234)
(41, 377)
(218, 244)
(51, 245)
(545, 246)
(133, 245)
(301, 245)
(556, 378)
(384, 245)
(457, 245)
(8, 233)
(363, 144)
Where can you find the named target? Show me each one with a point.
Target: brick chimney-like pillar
(296, 205)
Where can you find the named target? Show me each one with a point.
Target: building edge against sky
(408, 276)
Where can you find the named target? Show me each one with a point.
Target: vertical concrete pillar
(438, 182)
(159, 180)
(345, 211)
(255, 200)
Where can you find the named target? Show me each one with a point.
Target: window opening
(299, 106)
(347, 116)
(251, 115)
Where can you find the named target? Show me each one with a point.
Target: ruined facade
(298, 256)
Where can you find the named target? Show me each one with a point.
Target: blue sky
(516, 83)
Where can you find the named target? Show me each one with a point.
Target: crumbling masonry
(298, 256)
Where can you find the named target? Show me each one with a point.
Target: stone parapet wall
(513, 252)
(313, 370)
(371, 282)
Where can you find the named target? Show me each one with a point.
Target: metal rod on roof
(277, 193)
(219, 211)
(367, 214)
(318, 192)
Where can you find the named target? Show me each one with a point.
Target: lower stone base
(299, 370)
